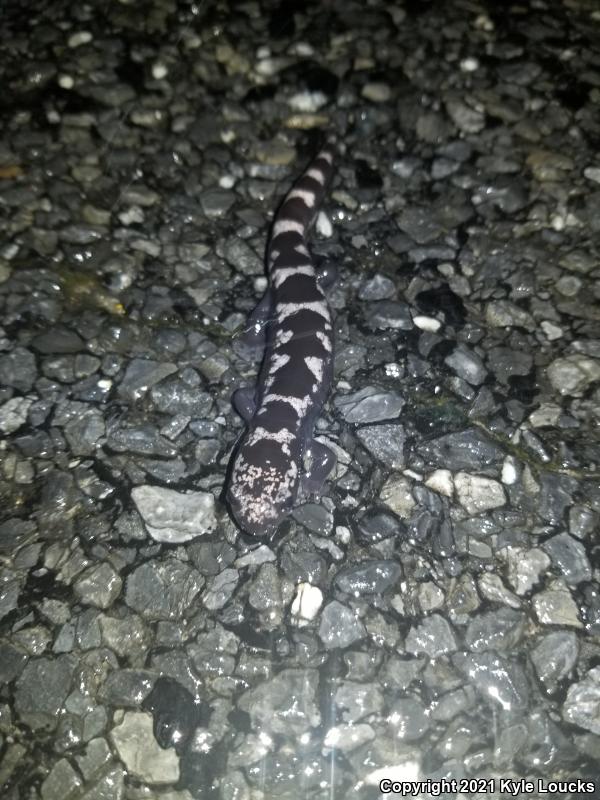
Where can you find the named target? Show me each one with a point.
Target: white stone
(469, 64)
(406, 769)
(323, 225)
(509, 471)
(13, 413)
(573, 374)
(79, 38)
(551, 331)
(477, 494)
(440, 481)
(159, 70)
(376, 92)
(307, 602)
(592, 174)
(546, 415)
(427, 323)
(307, 102)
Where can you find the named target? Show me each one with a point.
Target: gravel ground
(437, 613)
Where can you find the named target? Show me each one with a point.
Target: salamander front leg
(319, 460)
(244, 403)
(326, 274)
(250, 344)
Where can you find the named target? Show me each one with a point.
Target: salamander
(276, 464)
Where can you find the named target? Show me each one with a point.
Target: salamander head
(263, 486)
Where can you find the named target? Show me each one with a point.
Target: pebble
(172, 516)
(13, 414)
(525, 568)
(467, 449)
(98, 586)
(369, 404)
(286, 702)
(141, 375)
(162, 589)
(554, 657)
(385, 443)
(555, 606)
(388, 314)
(434, 637)
(477, 494)
(569, 556)
(368, 577)
(581, 706)
(467, 365)
(339, 626)
(307, 602)
(572, 375)
(134, 741)
(376, 92)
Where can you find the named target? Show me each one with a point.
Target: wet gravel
(436, 614)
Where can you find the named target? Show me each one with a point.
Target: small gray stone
(13, 413)
(172, 516)
(369, 404)
(420, 224)
(504, 314)
(348, 737)
(142, 440)
(84, 433)
(466, 119)
(18, 369)
(554, 657)
(133, 738)
(573, 374)
(265, 592)
(162, 589)
(221, 589)
(42, 689)
(499, 681)
(467, 365)
(468, 449)
(339, 626)
(385, 443)
(98, 586)
(434, 636)
(141, 375)
(582, 705)
(379, 287)
(368, 577)
(555, 606)
(61, 782)
(388, 314)
(477, 494)
(216, 202)
(58, 340)
(408, 719)
(182, 396)
(285, 704)
(570, 557)
(242, 257)
(525, 568)
(496, 630)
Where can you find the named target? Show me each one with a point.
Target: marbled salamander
(277, 463)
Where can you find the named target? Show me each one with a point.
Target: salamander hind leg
(319, 460)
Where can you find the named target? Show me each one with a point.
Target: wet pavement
(436, 614)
